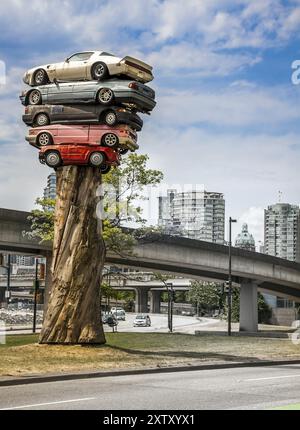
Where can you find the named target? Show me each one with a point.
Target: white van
(119, 313)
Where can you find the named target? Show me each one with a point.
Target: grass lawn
(22, 354)
(293, 407)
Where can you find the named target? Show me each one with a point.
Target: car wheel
(105, 168)
(44, 139)
(96, 159)
(40, 77)
(105, 96)
(110, 140)
(35, 97)
(111, 118)
(41, 119)
(52, 159)
(123, 151)
(99, 71)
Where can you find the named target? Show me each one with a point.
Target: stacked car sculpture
(83, 111)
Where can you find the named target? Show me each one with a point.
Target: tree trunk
(73, 313)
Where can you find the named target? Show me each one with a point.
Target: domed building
(245, 240)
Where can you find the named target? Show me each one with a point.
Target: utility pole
(231, 220)
(36, 287)
(170, 305)
(8, 268)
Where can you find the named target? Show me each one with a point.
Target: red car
(121, 136)
(92, 155)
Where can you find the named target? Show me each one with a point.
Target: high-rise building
(194, 214)
(50, 190)
(245, 240)
(282, 231)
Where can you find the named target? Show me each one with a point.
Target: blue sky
(227, 113)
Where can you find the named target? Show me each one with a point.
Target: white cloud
(237, 105)
(22, 177)
(185, 59)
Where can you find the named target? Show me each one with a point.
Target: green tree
(205, 296)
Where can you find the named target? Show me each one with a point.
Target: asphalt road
(240, 388)
(159, 324)
(182, 324)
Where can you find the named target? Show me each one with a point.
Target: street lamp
(36, 288)
(231, 220)
(170, 305)
(8, 271)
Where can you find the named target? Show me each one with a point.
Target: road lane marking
(49, 403)
(273, 377)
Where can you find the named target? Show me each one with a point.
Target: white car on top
(89, 65)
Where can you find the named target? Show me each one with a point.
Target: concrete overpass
(181, 256)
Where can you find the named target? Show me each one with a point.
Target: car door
(95, 135)
(60, 93)
(74, 67)
(73, 135)
(84, 92)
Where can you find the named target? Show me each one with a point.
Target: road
(159, 324)
(182, 324)
(238, 388)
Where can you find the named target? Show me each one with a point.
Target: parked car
(106, 93)
(89, 65)
(121, 136)
(119, 313)
(104, 317)
(142, 321)
(41, 115)
(93, 155)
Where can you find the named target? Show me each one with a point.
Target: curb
(145, 371)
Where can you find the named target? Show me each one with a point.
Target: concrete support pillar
(155, 301)
(141, 300)
(48, 280)
(248, 306)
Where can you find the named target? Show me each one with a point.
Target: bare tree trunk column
(73, 311)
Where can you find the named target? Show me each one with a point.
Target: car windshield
(140, 317)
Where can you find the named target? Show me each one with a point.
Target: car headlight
(26, 78)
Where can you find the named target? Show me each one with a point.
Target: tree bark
(73, 314)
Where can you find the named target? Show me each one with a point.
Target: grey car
(42, 115)
(111, 91)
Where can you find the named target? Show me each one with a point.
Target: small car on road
(89, 65)
(42, 115)
(92, 155)
(142, 320)
(121, 136)
(106, 93)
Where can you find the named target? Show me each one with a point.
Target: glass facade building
(282, 231)
(194, 214)
(50, 190)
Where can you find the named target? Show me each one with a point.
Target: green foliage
(126, 187)
(42, 220)
(205, 295)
